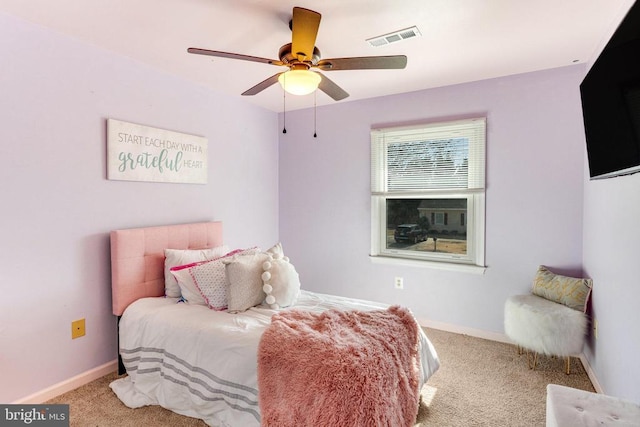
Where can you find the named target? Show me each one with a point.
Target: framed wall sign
(142, 153)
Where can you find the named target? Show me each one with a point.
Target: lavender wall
(541, 209)
(611, 258)
(611, 254)
(535, 151)
(58, 207)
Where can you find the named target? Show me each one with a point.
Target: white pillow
(177, 257)
(281, 283)
(245, 282)
(188, 288)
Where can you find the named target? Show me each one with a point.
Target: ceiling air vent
(396, 36)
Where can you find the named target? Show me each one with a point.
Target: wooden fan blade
(364, 63)
(219, 54)
(304, 28)
(330, 88)
(262, 85)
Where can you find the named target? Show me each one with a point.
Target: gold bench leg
(532, 359)
(532, 363)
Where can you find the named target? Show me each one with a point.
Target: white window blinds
(443, 156)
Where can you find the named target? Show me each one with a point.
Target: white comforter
(202, 363)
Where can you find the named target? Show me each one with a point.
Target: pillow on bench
(570, 291)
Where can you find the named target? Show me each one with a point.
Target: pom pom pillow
(177, 257)
(276, 250)
(281, 282)
(570, 291)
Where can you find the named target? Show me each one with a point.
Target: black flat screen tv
(610, 94)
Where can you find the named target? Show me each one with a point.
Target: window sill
(450, 266)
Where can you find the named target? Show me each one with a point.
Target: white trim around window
(423, 172)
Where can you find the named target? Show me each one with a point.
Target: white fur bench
(572, 407)
(544, 327)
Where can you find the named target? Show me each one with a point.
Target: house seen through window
(427, 192)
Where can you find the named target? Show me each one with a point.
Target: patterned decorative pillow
(245, 283)
(570, 291)
(177, 257)
(204, 282)
(281, 282)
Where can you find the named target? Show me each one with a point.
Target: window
(427, 192)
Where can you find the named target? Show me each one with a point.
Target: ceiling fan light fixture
(299, 82)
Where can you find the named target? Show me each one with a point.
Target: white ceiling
(462, 40)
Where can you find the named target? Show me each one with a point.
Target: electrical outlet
(399, 283)
(595, 328)
(77, 329)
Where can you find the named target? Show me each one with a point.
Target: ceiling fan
(301, 55)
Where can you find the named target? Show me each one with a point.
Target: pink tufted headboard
(137, 257)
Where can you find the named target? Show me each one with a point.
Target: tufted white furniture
(572, 407)
(546, 327)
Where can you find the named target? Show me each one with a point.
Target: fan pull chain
(284, 106)
(315, 108)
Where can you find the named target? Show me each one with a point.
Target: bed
(209, 362)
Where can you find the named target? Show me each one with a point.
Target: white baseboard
(70, 384)
(495, 336)
(591, 374)
(478, 333)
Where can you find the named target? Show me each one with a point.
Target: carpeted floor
(479, 383)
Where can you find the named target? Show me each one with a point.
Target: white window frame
(474, 193)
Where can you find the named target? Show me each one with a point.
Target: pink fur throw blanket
(339, 368)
